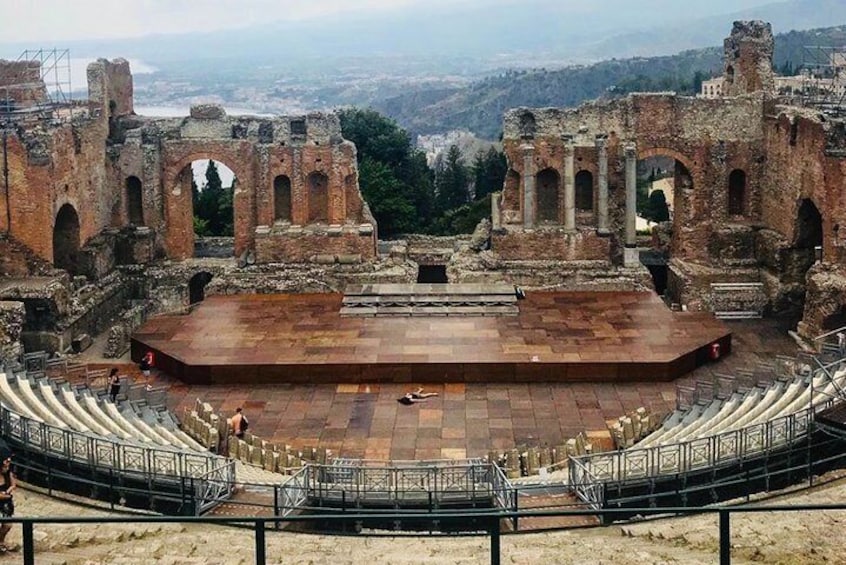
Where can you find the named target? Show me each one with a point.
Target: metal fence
(492, 520)
(709, 452)
(119, 457)
(433, 484)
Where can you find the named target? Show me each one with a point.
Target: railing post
(28, 544)
(725, 537)
(276, 511)
(495, 547)
(261, 553)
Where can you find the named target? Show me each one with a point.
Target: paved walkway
(464, 420)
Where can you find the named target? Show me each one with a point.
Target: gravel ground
(761, 538)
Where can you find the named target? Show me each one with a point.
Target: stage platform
(556, 337)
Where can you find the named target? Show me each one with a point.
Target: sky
(69, 20)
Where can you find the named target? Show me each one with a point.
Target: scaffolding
(823, 78)
(53, 71)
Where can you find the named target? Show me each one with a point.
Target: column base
(603, 232)
(631, 256)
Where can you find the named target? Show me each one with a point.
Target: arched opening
(318, 198)
(660, 178)
(66, 239)
(546, 209)
(134, 201)
(282, 199)
(729, 75)
(527, 125)
(197, 287)
(737, 193)
(809, 230)
(213, 199)
(584, 191)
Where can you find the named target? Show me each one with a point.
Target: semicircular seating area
(55, 414)
(719, 430)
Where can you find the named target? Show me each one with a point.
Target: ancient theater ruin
(570, 342)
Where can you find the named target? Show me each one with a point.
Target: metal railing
(215, 486)
(433, 484)
(87, 449)
(694, 455)
(492, 521)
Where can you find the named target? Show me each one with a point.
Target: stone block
(207, 112)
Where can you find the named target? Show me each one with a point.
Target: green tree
(393, 175)
(381, 189)
(452, 181)
(213, 204)
(658, 204)
(489, 170)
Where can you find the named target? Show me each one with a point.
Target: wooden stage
(556, 337)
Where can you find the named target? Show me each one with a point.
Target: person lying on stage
(417, 396)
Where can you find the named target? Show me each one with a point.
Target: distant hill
(480, 106)
(696, 33)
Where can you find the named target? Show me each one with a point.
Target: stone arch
(584, 191)
(737, 193)
(134, 201)
(666, 152)
(197, 287)
(66, 239)
(548, 183)
(179, 208)
(318, 198)
(282, 210)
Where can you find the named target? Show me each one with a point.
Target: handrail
(90, 448)
(693, 454)
(489, 522)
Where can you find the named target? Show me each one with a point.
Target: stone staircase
(429, 300)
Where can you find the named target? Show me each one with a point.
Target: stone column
(630, 253)
(528, 185)
(602, 187)
(569, 185)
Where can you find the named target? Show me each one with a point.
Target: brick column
(630, 253)
(602, 187)
(569, 186)
(528, 185)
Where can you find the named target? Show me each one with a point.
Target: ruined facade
(758, 188)
(96, 218)
(90, 188)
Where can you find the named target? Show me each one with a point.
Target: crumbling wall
(258, 150)
(21, 86)
(748, 60)
(110, 89)
(11, 325)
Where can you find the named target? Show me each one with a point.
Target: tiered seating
(741, 411)
(259, 461)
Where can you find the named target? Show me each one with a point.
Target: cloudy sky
(66, 20)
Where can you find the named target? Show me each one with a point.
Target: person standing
(239, 423)
(114, 384)
(146, 364)
(7, 503)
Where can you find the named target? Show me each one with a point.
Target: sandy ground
(786, 538)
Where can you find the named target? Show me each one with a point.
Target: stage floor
(557, 337)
